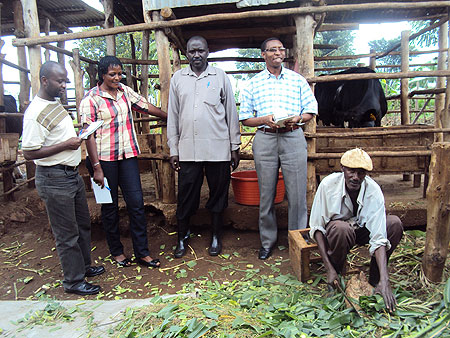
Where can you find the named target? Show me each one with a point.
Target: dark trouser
(65, 199)
(341, 237)
(125, 173)
(190, 180)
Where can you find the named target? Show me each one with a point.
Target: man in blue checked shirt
(272, 95)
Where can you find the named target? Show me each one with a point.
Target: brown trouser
(341, 237)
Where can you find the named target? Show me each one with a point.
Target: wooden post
(78, 79)
(62, 61)
(32, 30)
(372, 60)
(47, 32)
(445, 113)
(2, 56)
(134, 84)
(165, 73)
(92, 73)
(19, 32)
(176, 59)
(404, 85)
(108, 7)
(438, 213)
(304, 56)
(144, 75)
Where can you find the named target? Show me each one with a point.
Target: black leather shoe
(264, 253)
(94, 271)
(84, 288)
(154, 263)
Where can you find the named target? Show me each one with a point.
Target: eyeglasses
(275, 49)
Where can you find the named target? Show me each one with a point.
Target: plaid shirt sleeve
(88, 109)
(138, 102)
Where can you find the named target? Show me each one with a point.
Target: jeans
(65, 200)
(125, 174)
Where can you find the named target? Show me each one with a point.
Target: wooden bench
(299, 253)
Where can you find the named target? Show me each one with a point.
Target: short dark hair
(104, 63)
(263, 45)
(197, 38)
(47, 68)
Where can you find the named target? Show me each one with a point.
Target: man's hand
(175, 163)
(270, 122)
(73, 143)
(99, 177)
(332, 276)
(292, 122)
(384, 289)
(235, 158)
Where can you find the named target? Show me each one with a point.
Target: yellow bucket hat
(357, 158)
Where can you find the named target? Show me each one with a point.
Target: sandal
(125, 263)
(154, 263)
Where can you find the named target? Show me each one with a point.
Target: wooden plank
(299, 253)
(438, 213)
(231, 16)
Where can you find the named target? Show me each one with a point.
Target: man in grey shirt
(204, 138)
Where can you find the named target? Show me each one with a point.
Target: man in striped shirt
(273, 95)
(50, 140)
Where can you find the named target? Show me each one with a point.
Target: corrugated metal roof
(151, 5)
(68, 13)
(254, 3)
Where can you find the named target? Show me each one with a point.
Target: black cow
(14, 124)
(361, 103)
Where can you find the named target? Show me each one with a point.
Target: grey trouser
(65, 199)
(270, 151)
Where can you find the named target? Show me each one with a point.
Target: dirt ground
(30, 266)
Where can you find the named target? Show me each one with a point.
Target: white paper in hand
(102, 195)
(90, 130)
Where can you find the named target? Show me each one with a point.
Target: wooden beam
(144, 72)
(364, 76)
(108, 8)
(304, 60)
(165, 74)
(404, 82)
(32, 31)
(234, 16)
(439, 103)
(438, 213)
(67, 52)
(24, 93)
(78, 79)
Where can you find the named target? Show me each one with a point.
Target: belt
(64, 167)
(278, 130)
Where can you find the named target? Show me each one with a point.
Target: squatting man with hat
(50, 140)
(348, 210)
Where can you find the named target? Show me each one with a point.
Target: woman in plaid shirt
(113, 155)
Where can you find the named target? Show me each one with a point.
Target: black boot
(183, 236)
(216, 242)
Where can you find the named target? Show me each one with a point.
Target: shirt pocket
(212, 97)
